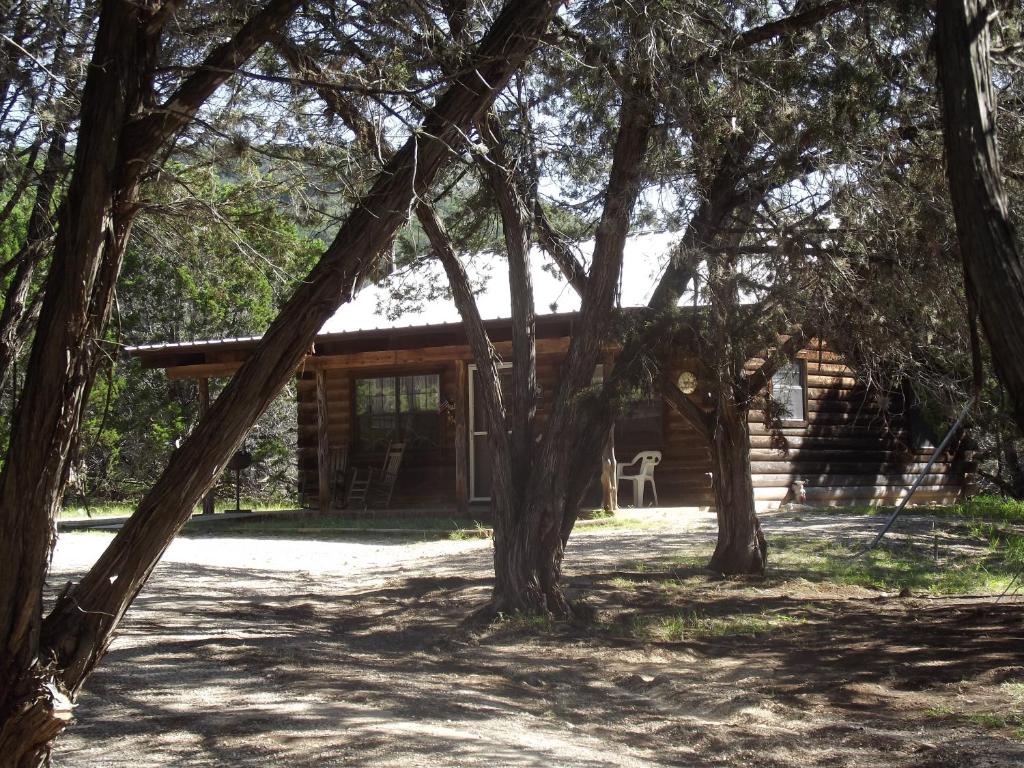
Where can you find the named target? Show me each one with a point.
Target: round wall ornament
(687, 382)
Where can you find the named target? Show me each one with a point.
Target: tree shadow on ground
(240, 667)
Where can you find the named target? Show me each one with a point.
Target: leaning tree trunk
(509, 455)
(988, 241)
(741, 547)
(114, 147)
(76, 634)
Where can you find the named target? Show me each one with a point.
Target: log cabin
(411, 378)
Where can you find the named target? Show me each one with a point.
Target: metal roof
(375, 312)
(245, 342)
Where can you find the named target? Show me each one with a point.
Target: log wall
(851, 449)
(427, 479)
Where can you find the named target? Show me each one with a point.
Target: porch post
(609, 465)
(323, 449)
(609, 474)
(204, 406)
(461, 437)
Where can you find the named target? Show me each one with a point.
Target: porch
(358, 392)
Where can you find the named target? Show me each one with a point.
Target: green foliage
(693, 625)
(220, 258)
(96, 512)
(12, 231)
(524, 622)
(987, 508)
(893, 567)
(216, 258)
(983, 507)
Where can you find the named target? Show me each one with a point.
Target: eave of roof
(385, 338)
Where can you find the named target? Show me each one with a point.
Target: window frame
(801, 365)
(356, 436)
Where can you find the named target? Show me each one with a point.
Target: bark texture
(536, 490)
(78, 631)
(42, 712)
(115, 144)
(13, 330)
(516, 215)
(573, 440)
(529, 568)
(117, 141)
(20, 311)
(741, 546)
(988, 240)
(57, 378)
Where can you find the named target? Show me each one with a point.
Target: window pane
(788, 390)
(376, 419)
(419, 404)
(405, 408)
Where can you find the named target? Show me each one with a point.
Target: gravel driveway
(259, 652)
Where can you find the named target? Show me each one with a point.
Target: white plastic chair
(648, 460)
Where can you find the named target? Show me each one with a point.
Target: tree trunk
(78, 631)
(741, 547)
(516, 221)
(16, 319)
(510, 560)
(988, 242)
(577, 429)
(40, 712)
(609, 476)
(203, 387)
(532, 564)
(1012, 465)
(57, 379)
(113, 149)
(510, 455)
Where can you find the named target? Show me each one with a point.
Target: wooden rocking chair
(359, 488)
(338, 475)
(382, 485)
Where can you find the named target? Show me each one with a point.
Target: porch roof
(203, 357)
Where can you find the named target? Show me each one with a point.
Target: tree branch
(144, 137)
(558, 248)
(77, 631)
(501, 174)
(759, 379)
(462, 294)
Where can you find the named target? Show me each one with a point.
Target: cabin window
(393, 408)
(788, 391)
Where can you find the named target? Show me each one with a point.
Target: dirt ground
(252, 652)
